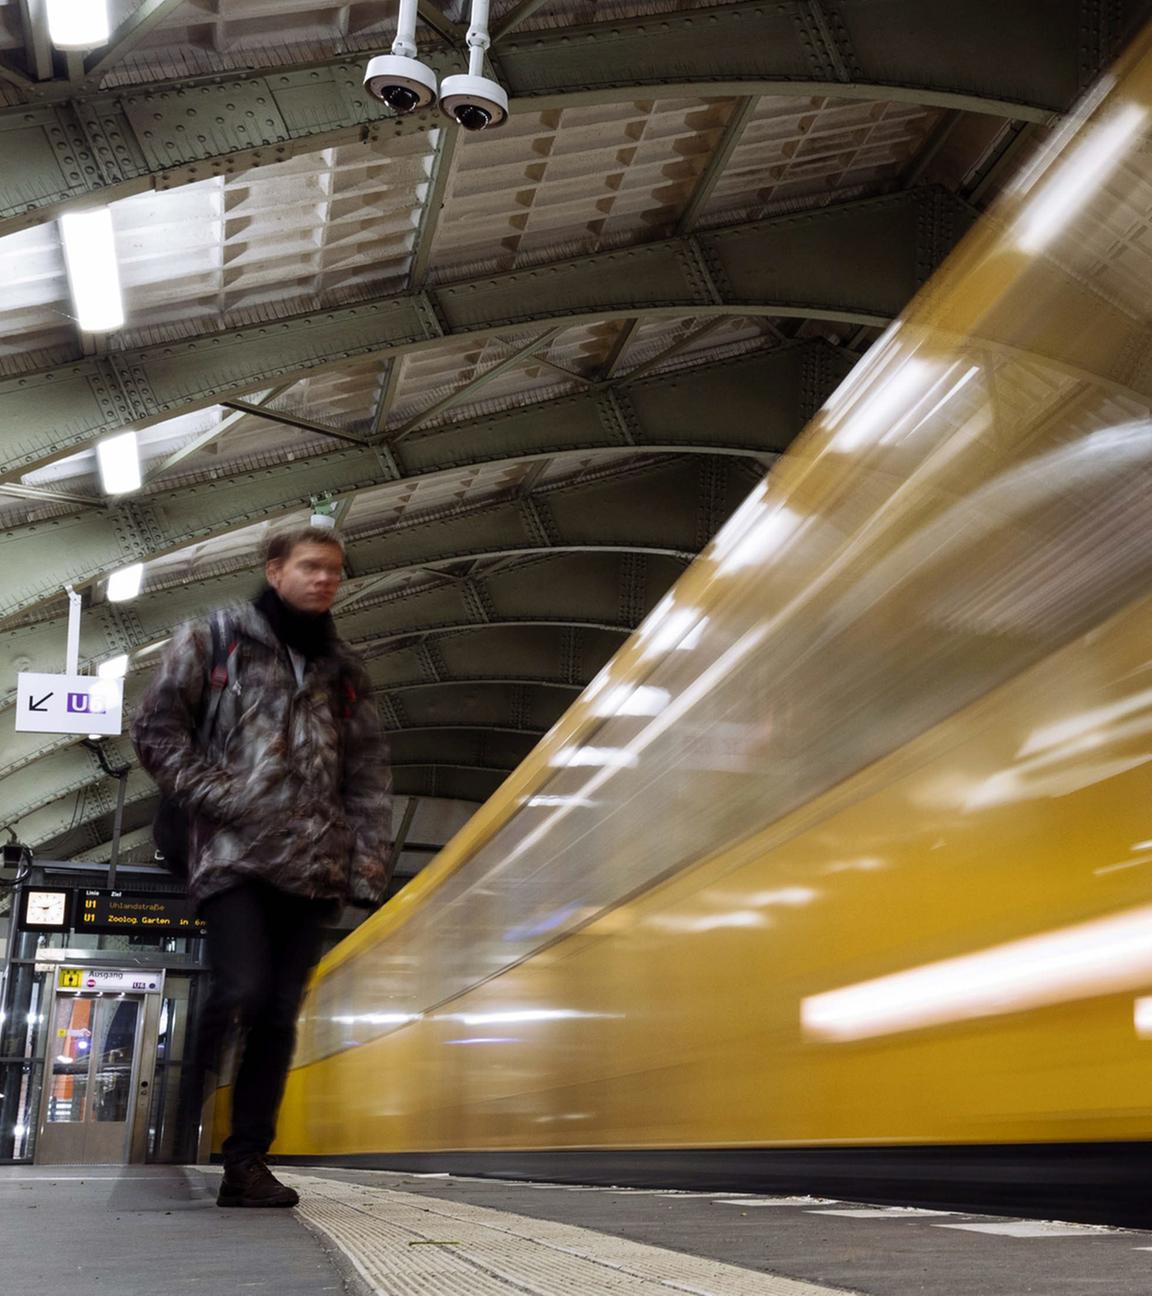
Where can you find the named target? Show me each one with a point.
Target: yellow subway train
(839, 876)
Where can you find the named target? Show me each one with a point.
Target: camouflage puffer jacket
(295, 787)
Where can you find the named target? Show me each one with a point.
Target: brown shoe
(249, 1182)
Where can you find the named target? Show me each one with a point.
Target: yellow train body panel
(851, 844)
(685, 1003)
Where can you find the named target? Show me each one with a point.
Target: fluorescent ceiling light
(78, 24)
(93, 274)
(119, 460)
(114, 667)
(125, 583)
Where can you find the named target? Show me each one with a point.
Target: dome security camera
(404, 84)
(475, 102)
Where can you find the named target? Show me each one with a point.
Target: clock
(45, 910)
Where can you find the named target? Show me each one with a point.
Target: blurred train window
(974, 497)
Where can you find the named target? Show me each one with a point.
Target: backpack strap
(221, 671)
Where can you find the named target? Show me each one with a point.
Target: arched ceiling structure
(532, 371)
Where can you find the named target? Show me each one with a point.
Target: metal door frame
(134, 1150)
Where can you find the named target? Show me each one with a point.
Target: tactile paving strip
(401, 1243)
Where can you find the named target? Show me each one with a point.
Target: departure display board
(137, 911)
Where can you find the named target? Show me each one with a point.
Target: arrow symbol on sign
(39, 706)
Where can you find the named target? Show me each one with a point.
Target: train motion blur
(838, 876)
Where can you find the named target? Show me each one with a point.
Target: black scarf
(308, 633)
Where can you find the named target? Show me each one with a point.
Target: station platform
(157, 1230)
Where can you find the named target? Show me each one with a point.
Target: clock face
(46, 908)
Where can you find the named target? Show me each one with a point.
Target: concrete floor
(148, 1231)
(151, 1231)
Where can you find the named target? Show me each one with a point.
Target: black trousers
(262, 944)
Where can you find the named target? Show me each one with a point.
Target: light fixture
(119, 460)
(114, 668)
(93, 274)
(125, 583)
(78, 24)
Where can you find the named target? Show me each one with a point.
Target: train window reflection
(870, 417)
(757, 541)
(644, 700)
(1078, 178)
(1105, 956)
(612, 757)
(670, 627)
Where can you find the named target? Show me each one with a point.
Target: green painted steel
(1027, 60)
(857, 262)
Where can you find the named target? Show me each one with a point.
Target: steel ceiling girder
(583, 590)
(78, 782)
(522, 654)
(466, 784)
(1028, 60)
(31, 766)
(39, 769)
(492, 704)
(529, 652)
(588, 581)
(858, 262)
(768, 398)
(132, 845)
(93, 842)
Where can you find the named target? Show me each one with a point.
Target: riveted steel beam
(126, 141)
(762, 394)
(878, 249)
(443, 168)
(213, 435)
(286, 419)
(43, 496)
(619, 345)
(473, 385)
(717, 163)
(433, 16)
(514, 17)
(387, 397)
(681, 344)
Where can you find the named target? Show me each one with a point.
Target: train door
(101, 1048)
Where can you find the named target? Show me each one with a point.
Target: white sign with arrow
(68, 704)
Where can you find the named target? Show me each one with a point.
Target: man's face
(309, 577)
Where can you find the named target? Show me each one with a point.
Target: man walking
(288, 801)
